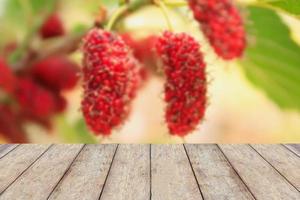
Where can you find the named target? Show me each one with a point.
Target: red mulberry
(7, 78)
(142, 48)
(223, 26)
(185, 88)
(110, 80)
(56, 72)
(36, 101)
(52, 27)
(10, 126)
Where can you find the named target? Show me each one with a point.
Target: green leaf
(272, 60)
(290, 6)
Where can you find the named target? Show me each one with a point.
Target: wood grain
(212, 169)
(143, 172)
(40, 179)
(172, 176)
(286, 162)
(129, 176)
(261, 178)
(6, 148)
(17, 161)
(295, 148)
(87, 174)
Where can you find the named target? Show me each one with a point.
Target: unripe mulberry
(10, 126)
(34, 100)
(110, 80)
(7, 78)
(222, 24)
(56, 72)
(52, 27)
(185, 88)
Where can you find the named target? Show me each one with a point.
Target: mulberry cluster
(56, 72)
(52, 27)
(34, 94)
(223, 26)
(110, 80)
(185, 88)
(35, 100)
(10, 125)
(7, 78)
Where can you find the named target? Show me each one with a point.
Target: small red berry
(143, 49)
(110, 79)
(222, 24)
(34, 100)
(7, 78)
(56, 72)
(185, 88)
(10, 125)
(60, 104)
(52, 27)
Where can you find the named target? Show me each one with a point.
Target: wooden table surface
(141, 172)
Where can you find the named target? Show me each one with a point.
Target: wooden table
(141, 172)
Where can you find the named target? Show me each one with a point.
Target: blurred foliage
(18, 14)
(272, 62)
(290, 6)
(74, 133)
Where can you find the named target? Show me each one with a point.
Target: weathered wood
(172, 175)
(286, 162)
(129, 176)
(215, 175)
(295, 148)
(40, 179)
(101, 171)
(13, 164)
(6, 148)
(87, 174)
(261, 178)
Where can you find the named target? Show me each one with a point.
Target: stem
(176, 3)
(122, 2)
(123, 9)
(25, 5)
(164, 10)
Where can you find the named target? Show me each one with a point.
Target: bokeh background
(242, 109)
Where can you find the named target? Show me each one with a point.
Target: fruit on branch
(52, 27)
(7, 78)
(35, 100)
(222, 24)
(110, 80)
(185, 87)
(56, 72)
(10, 125)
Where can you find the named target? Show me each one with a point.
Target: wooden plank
(215, 175)
(41, 178)
(87, 174)
(261, 178)
(295, 148)
(17, 161)
(285, 161)
(172, 175)
(6, 148)
(129, 176)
